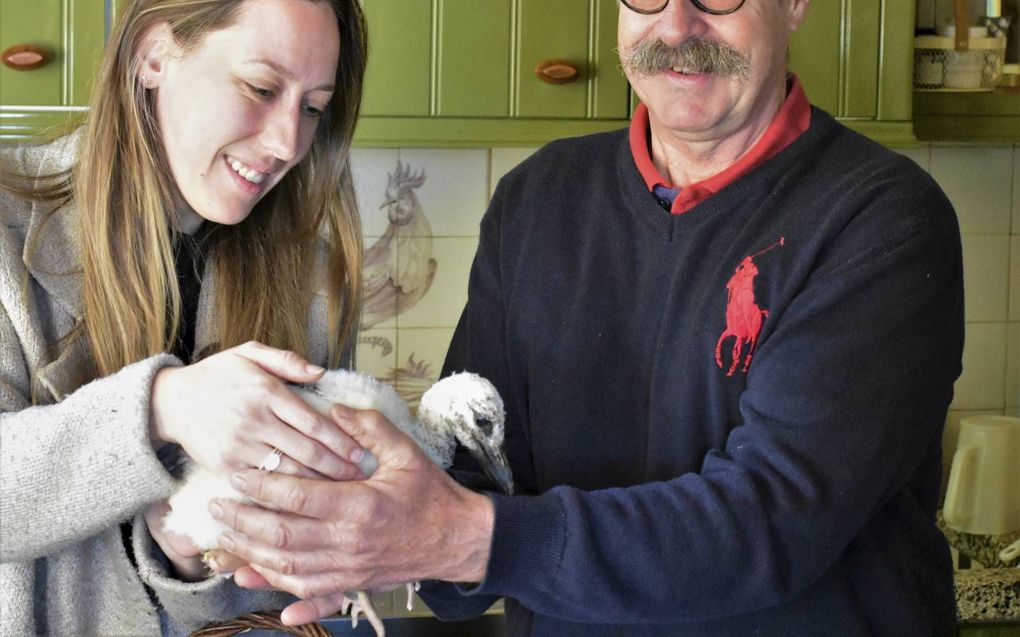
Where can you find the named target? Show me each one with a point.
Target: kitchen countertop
(985, 594)
(988, 594)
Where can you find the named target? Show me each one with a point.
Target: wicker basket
(939, 66)
(961, 58)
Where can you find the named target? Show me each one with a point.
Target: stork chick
(463, 408)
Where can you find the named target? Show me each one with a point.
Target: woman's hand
(229, 411)
(182, 552)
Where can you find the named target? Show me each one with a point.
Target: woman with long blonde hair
(165, 269)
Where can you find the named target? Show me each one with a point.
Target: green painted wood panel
(815, 54)
(552, 29)
(398, 80)
(85, 40)
(37, 22)
(860, 59)
(474, 58)
(896, 64)
(609, 86)
(963, 117)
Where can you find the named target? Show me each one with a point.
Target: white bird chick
(462, 407)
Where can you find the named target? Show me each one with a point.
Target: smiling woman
(234, 119)
(165, 269)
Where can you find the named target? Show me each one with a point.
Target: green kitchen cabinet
(462, 72)
(71, 32)
(855, 60)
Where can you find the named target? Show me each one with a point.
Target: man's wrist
(475, 541)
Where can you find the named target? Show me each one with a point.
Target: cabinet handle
(24, 57)
(556, 71)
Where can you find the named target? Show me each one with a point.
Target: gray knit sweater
(76, 466)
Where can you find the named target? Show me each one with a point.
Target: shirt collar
(793, 118)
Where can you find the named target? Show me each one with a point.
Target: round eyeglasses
(714, 7)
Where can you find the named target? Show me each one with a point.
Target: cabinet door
(815, 54)
(73, 33)
(473, 58)
(835, 54)
(469, 59)
(39, 24)
(551, 29)
(854, 58)
(398, 80)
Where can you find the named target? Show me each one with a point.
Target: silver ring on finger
(272, 461)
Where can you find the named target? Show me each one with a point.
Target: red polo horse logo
(743, 316)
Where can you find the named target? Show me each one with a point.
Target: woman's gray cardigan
(76, 466)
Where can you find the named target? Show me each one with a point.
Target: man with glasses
(726, 339)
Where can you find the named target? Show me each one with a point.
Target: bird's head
(400, 200)
(469, 407)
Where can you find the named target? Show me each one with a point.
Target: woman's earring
(146, 82)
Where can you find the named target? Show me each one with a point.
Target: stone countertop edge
(991, 593)
(988, 594)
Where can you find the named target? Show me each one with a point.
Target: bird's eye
(484, 424)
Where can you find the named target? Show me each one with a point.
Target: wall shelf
(991, 117)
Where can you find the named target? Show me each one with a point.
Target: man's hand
(409, 521)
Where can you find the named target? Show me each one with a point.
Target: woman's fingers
(313, 439)
(246, 577)
(279, 362)
(311, 610)
(230, 410)
(282, 463)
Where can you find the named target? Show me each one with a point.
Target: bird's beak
(495, 465)
(388, 202)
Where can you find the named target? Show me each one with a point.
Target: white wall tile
(1013, 366)
(1016, 189)
(420, 357)
(380, 302)
(986, 276)
(427, 347)
(377, 352)
(921, 155)
(454, 194)
(977, 180)
(503, 161)
(982, 384)
(442, 304)
(371, 168)
(1014, 278)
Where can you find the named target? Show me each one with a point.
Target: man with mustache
(726, 339)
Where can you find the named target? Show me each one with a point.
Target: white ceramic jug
(983, 496)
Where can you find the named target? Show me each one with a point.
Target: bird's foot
(363, 605)
(220, 562)
(412, 588)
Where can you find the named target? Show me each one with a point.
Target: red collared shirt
(793, 118)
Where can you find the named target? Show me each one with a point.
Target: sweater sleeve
(196, 604)
(82, 465)
(843, 404)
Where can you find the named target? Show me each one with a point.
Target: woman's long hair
(266, 267)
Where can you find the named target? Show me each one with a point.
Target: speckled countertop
(988, 594)
(985, 594)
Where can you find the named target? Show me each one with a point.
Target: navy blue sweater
(725, 422)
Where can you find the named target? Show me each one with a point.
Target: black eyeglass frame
(696, 3)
